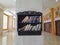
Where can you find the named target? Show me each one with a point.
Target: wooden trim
(47, 21)
(56, 19)
(7, 21)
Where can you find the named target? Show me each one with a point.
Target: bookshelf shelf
(31, 23)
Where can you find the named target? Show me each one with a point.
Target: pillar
(53, 32)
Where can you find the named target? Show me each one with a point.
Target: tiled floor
(50, 39)
(9, 39)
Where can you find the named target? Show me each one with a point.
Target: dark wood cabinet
(58, 27)
(47, 27)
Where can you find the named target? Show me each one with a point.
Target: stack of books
(31, 19)
(29, 27)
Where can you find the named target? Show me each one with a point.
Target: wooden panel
(58, 27)
(47, 27)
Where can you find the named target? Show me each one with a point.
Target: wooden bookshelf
(34, 20)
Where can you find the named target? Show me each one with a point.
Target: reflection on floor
(0, 39)
(50, 39)
(8, 38)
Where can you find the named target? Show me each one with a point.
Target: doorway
(58, 28)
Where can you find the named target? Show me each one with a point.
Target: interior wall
(1, 24)
(24, 5)
(49, 4)
(1, 20)
(47, 14)
(10, 23)
(56, 19)
(11, 18)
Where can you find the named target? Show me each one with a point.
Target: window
(5, 21)
(56, 0)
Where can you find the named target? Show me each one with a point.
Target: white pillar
(29, 5)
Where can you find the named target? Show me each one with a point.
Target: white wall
(47, 4)
(30, 5)
(10, 23)
(23, 5)
(1, 20)
(1, 25)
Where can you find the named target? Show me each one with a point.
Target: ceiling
(8, 4)
(47, 4)
(11, 4)
(37, 5)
